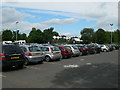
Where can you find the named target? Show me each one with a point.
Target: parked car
(91, 49)
(12, 55)
(104, 48)
(66, 52)
(83, 49)
(51, 52)
(110, 47)
(32, 54)
(74, 49)
(97, 48)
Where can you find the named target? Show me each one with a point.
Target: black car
(12, 55)
(83, 49)
(91, 49)
(97, 48)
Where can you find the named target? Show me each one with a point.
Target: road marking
(88, 63)
(29, 67)
(71, 66)
(2, 76)
(82, 59)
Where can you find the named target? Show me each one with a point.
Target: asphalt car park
(91, 71)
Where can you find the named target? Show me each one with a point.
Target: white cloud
(10, 15)
(59, 21)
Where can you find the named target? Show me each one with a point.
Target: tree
(87, 35)
(100, 36)
(7, 35)
(35, 36)
(48, 35)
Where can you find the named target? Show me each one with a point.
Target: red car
(66, 52)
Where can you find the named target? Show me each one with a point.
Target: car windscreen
(34, 49)
(11, 49)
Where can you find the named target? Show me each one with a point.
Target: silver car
(32, 54)
(74, 49)
(51, 53)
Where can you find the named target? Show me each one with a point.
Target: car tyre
(26, 62)
(47, 58)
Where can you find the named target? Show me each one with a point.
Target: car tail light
(29, 54)
(107, 47)
(84, 49)
(51, 50)
(92, 49)
(2, 56)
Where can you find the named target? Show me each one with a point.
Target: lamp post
(16, 29)
(111, 32)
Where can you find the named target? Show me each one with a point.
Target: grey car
(51, 53)
(32, 54)
(74, 49)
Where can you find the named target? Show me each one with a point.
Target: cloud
(10, 15)
(59, 21)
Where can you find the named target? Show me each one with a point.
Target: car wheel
(105, 50)
(20, 66)
(40, 62)
(27, 61)
(47, 58)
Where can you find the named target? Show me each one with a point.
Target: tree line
(35, 35)
(88, 35)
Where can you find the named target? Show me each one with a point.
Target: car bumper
(35, 59)
(12, 63)
(55, 57)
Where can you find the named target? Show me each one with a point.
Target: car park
(32, 54)
(66, 52)
(74, 49)
(51, 52)
(12, 55)
(97, 48)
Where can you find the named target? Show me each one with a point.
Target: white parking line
(1, 76)
(31, 67)
(82, 59)
(88, 63)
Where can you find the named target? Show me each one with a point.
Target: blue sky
(68, 21)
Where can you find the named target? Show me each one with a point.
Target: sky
(67, 18)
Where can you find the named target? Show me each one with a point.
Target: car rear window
(75, 47)
(68, 47)
(34, 49)
(55, 48)
(11, 49)
(44, 48)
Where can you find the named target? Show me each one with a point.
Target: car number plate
(38, 54)
(15, 57)
(57, 53)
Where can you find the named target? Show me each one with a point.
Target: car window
(61, 48)
(34, 49)
(23, 49)
(75, 47)
(12, 49)
(55, 48)
(68, 47)
(44, 48)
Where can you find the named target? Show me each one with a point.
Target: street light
(16, 29)
(111, 32)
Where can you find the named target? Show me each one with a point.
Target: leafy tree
(100, 36)
(87, 35)
(7, 35)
